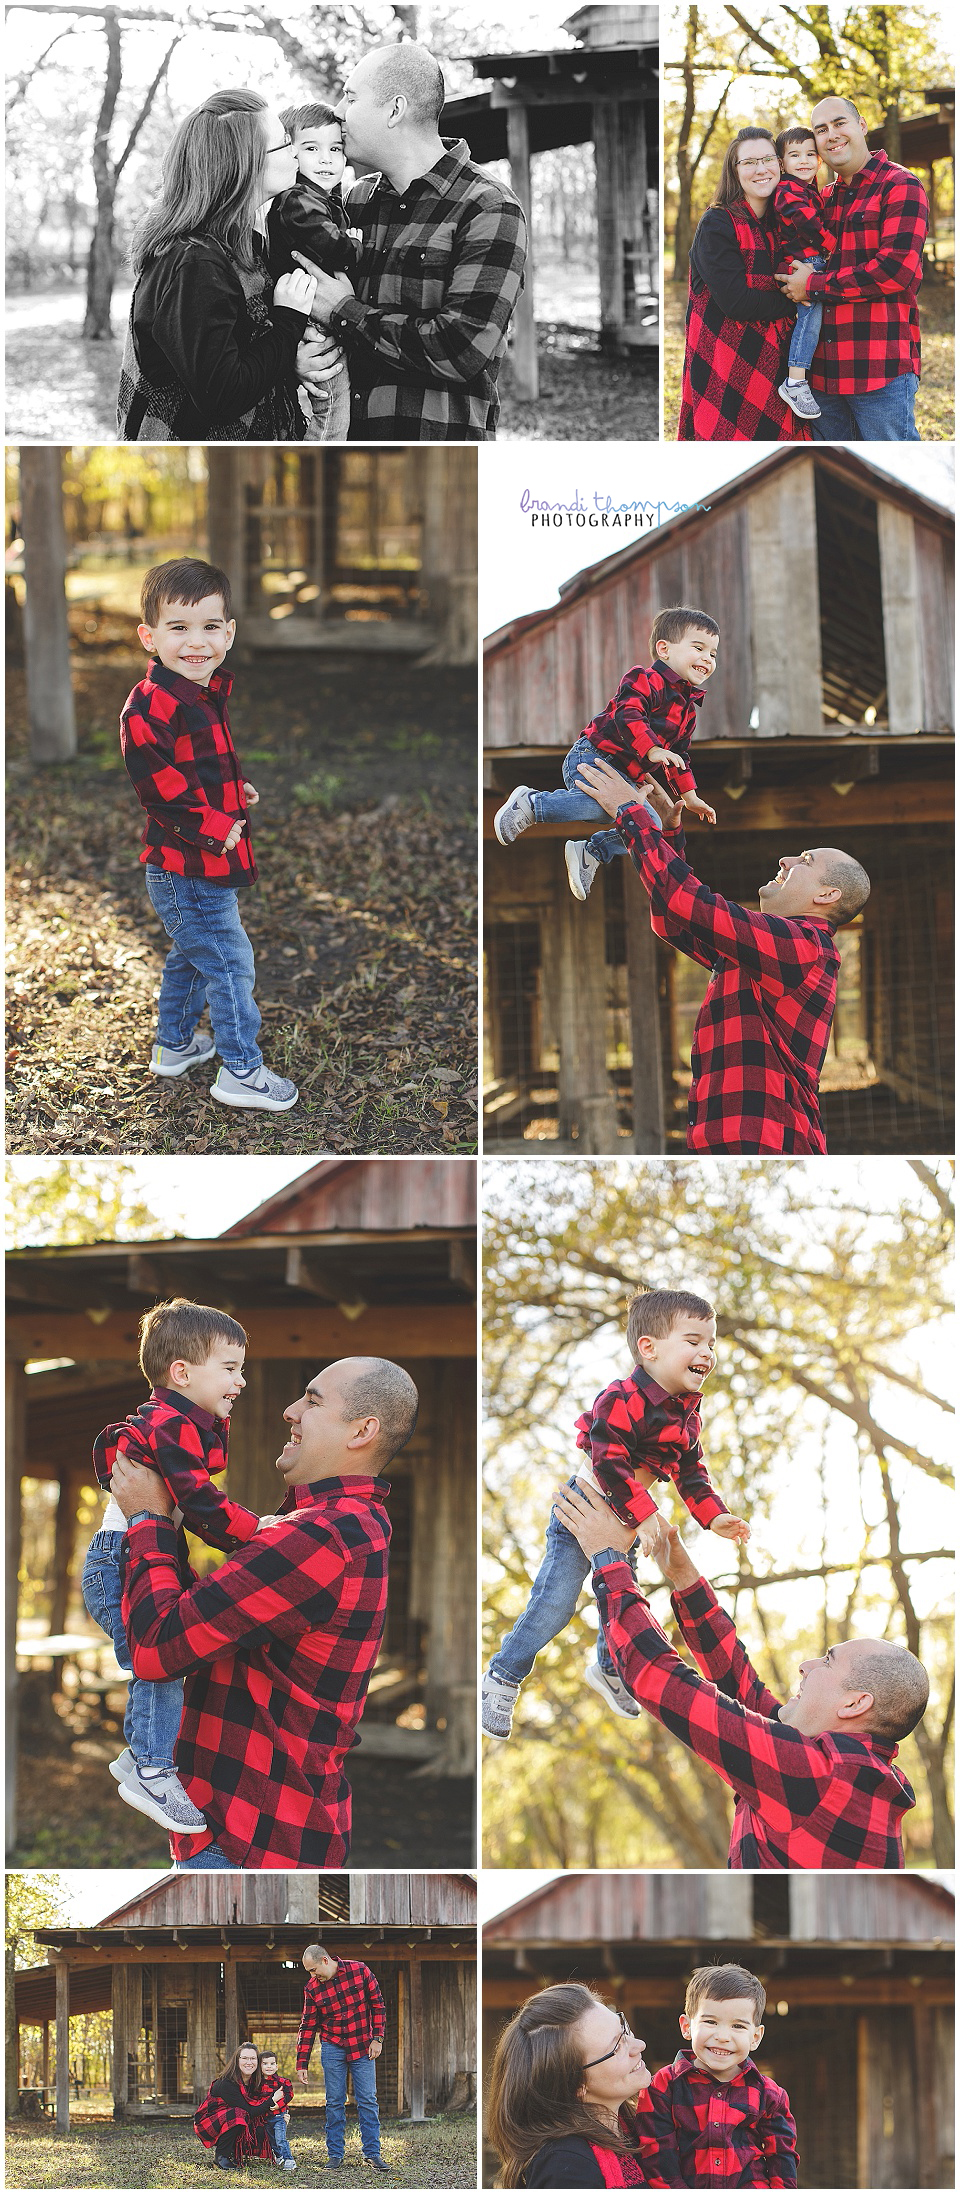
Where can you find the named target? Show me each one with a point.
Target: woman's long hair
(232, 2070)
(729, 190)
(536, 2078)
(211, 180)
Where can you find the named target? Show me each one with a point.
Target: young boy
(639, 1429)
(279, 2118)
(645, 730)
(310, 219)
(711, 2118)
(342, 1998)
(192, 1356)
(176, 744)
(805, 233)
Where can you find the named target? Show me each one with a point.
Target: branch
(26, 78)
(145, 109)
(859, 1414)
(745, 1579)
(789, 66)
(940, 1195)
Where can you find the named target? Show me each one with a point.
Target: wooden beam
(800, 1990)
(869, 804)
(231, 2009)
(523, 355)
(63, 2047)
(415, 1986)
(50, 706)
(124, 1954)
(388, 1329)
(645, 1038)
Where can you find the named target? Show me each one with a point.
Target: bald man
(424, 321)
(277, 1647)
(762, 1031)
(814, 1779)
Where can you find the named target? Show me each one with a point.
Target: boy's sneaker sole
(249, 1101)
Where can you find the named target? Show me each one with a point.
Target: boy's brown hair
(717, 1984)
(654, 1313)
(185, 579)
(671, 624)
(182, 1331)
(319, 116)
(796, 135)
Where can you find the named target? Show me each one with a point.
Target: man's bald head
(862, 1687)
(899, 1684)
(823, 882)
(407, 72)
(851, 879)
(372, 1386)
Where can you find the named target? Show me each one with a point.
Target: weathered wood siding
(413, 1900)
(264, 1900)
(870, 1908)
(449, 2013)
(629, 1908)
(383, 1194)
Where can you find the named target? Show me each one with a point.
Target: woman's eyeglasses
(623, 2036)
(769, 160)
(284, 146)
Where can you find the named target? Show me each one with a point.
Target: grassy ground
(443, 2152)
(935, 400)
(584, 396)
(363, 924)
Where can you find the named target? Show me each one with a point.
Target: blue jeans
(151, 1724)
(573, 806)
(879, 415)
(210, 961)
(336, 2064)
(806, 334)
(552, 1605)
(276, 2127)
(211, 1856)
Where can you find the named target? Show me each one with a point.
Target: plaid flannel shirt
(871, 326)
(272, 2086)
(651, 708)
(184, 1445)
(634, 1421)
(803, 226)
(348, 2010)
(441, 268)
(815, 1802)
(276, 1649)
(228, 2108)
(698, 2131)
(762, 1031)
(179, 754)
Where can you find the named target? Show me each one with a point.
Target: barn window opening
(771, 1908)
(854, 666)
(336, 540)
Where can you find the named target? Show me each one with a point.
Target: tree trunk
(100, 264)
(891, 130)
(683, 230)
(53, 730)
(12, 2068)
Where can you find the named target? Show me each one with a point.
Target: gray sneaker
(259, 1091)
(800, 399)
(159, 1793)
(123, 1765)
(515, 816)
(498, 1697)
(614, 1694)
(168, 1060)
(582, 866)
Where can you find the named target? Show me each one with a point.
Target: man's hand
(319, 359)
(730, 1527)
(374, 2049)
(253, 796)
(332, 290)
(674, 1562)
(135, 1487)
(233, 837)
(592, 1522)
(697, 806)
(795, 284)
(303, 2077)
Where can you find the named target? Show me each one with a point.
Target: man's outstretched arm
(708, 1629)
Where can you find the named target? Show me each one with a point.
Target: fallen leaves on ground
(586, 395)
(363, 924)
(95, 2153)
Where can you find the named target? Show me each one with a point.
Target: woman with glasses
(737, 331)
(566, 2074)
(213, 347)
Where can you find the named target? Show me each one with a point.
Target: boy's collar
(656, 1393)
(206, 1417)
(685, 2061)
(186, 689)
(694, 693)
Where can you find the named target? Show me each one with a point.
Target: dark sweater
(715, 257)
(569, 2161)
(314, 222)
(192, 324)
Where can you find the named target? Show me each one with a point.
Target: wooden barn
(202, 1962)
(357, 1256)
(829, 720)
(356, 549)
(858, 1971)
(604, 90)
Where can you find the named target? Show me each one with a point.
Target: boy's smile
(215, 1384)
(320, 157)
(683, 1358)
(694, 657)
(802, 161)
(191, 638)
(722, 2035)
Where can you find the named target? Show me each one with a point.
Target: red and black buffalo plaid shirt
(272, 2085)
(651, 708)
(871, 326)
(276, 1649)
(762, 1031)
(634, 1421)
(181, 760)
(441, 268)
(816, 1802)
(698, 2131)
(184, 1444)
(229, 2107)
(803, 226)
(348, 2010)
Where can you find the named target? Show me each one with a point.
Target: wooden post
(902, 634)
(523, 356)
(925, 2093)
(16, 1416)
(205, 2029)
(231, 2007)
(609, 221)
(646, 1041)
(788, 694)
(225, 519)
(119, 1978)
(45, 2055)
(63, 2046)
(64, 1535)
(417, 2111)
(53, 726)
(586, 1098)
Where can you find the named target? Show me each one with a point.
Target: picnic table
(76, 1647)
